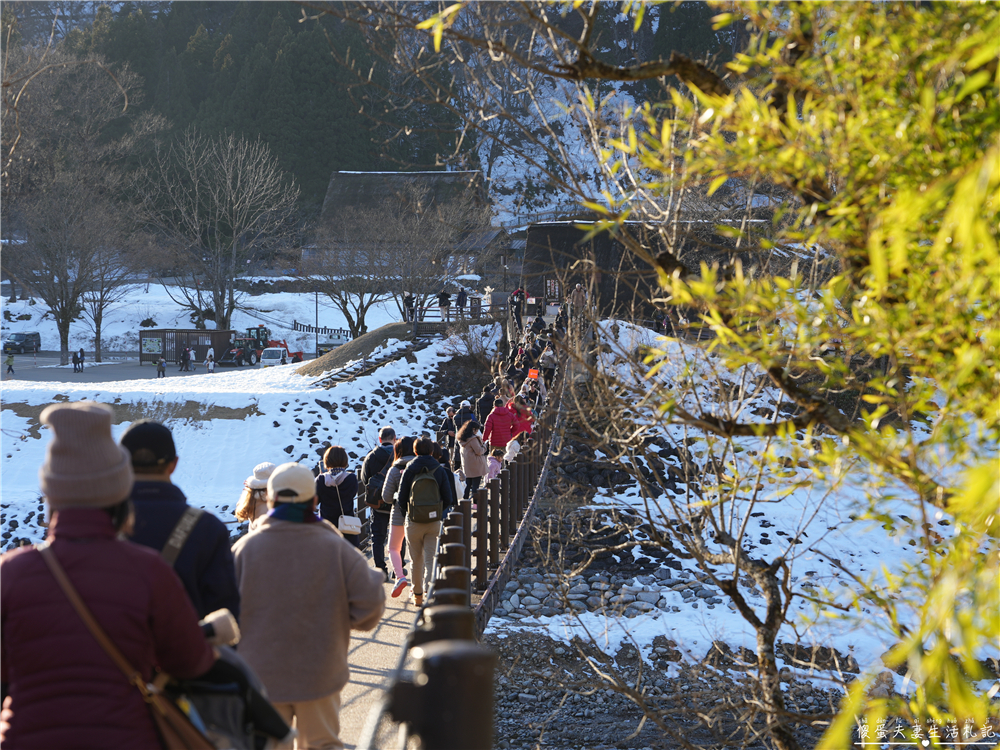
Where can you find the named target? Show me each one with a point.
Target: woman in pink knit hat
(60, 687)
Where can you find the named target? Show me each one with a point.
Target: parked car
(22, 342)
(273, 355)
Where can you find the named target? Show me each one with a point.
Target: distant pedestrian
(161, 368)
(465, 414)
(81, 359)
(10, 363)
(516, 302)
(475, 464)
(210, 364)
(76, 362)
(444, 305)
(373, 472)
(409, 307)
(498, 429)
(185, 359)
(402, 454)
(448, 427)
(460, 300)
(484, 404)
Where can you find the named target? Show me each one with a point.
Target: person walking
(161, 367)
(517, 299)
(498, 429)
(81, 359)
(402, 455)
(460, 300)
(76, 362)
(373, 471)
(409, 307)
(577, 303)
(60, 687)
(10, 363)
(210, 363)
(418, 481)
(185, 358)
(523, 418)
(444, 305)
(193, 540)
(484, 404)
(465, 413)
(447, 429)
(475, 463)
(252, 505)
(304, 588)
(337, 489)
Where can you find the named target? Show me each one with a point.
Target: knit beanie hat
(84, 467)
(261, 472)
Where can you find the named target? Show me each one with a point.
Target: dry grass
(360, 347)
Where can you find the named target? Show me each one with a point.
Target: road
(44, 367)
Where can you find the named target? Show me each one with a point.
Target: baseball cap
(466, 405)
(291, 483)
(150, 443)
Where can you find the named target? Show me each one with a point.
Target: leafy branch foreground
(862, 391)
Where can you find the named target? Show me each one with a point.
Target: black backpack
(373, 488)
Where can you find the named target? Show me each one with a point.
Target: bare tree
(65, 228)
(403, 243)
(112, 279)
(220, 204)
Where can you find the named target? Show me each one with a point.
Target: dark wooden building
(170, 342)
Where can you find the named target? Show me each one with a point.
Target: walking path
(373, 656)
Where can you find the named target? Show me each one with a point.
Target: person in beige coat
(303, 587)
(475, 460)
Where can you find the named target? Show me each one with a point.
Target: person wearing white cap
(61, 687)
(303, 588)
(252, 506)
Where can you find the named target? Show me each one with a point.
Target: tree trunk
(97, 336)
(63, 326)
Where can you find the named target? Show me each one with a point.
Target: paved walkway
(373, 657)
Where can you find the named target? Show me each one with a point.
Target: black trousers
(380, 533)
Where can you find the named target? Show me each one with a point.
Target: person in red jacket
(498, 429)
(522, 416)
(60, 688)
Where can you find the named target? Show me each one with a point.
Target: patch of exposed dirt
(161, 411)
(359, 347)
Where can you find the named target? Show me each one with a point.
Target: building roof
(361, 189)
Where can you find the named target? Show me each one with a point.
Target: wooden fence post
(494, 529)
(482, 516)
(465, 507)
(505, 503)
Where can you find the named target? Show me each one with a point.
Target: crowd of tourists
(133, 582)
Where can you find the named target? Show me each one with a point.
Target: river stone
(650, 597)
(580, 588)
(515, 601)
(530, 600)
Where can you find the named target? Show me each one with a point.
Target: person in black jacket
(484, 404)
(204, 562)
(465, 414)
(421, 537)
(337, 488)
(444, 303)
(376, 465)
(460, 300)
